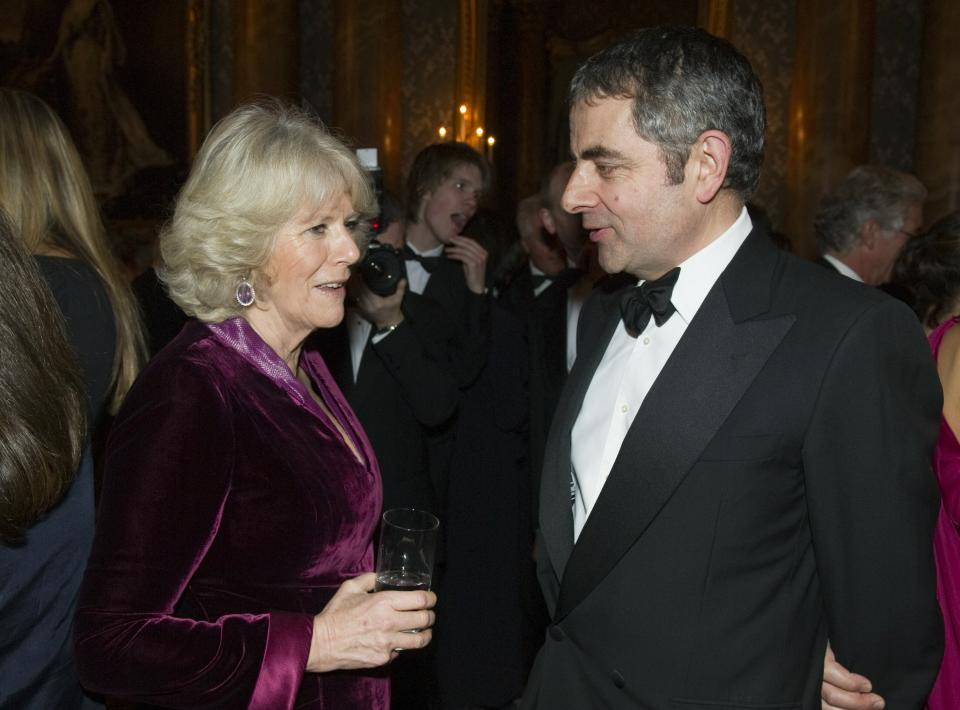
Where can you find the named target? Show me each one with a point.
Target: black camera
(382, 268)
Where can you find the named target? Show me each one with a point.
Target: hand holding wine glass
(357, 629)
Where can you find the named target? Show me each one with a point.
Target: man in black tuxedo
(863, 223)
(738, 469)
(478, 643)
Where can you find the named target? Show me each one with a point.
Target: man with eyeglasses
(863, 224)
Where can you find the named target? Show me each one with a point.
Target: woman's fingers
(412, 640)
(406, 601)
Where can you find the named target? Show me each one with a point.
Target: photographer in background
(391, 358)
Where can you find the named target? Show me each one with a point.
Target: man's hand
(474, 259)
(380, 311)
(843, 690)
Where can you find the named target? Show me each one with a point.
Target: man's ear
(546, 219)
(422, 205)
(869, 232)
(710, 157)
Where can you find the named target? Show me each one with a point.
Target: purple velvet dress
(231, 511)
(946, 549)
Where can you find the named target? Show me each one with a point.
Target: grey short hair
(868, 191)
(683, 81)
(256, 170)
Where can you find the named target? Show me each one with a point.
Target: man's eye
(605, 170)
(458, 185)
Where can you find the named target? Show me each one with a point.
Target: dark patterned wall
(429, 37)
(896, 73)
(429, 72)
(765, 30)
(220, 73)
(316, 56)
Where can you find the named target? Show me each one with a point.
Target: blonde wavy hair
(48, 196)
(256, 170)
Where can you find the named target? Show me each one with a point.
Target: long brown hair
(928, 271)
(47, 194)
(42, 424)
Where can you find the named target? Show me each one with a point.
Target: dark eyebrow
(599, 151)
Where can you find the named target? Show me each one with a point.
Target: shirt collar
(842, 268)
(435, 251)
(700, 271)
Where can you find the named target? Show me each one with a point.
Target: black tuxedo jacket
(773, 491)
(547, 336)
(820, 261)
(516, 295)
(469, 314)
(405, 390)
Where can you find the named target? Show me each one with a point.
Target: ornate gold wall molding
(470, 87)
(198, 66)
(829, 120)
(266, 42)
(368, 73)
(714, 16)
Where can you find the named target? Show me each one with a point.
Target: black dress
(39, 579)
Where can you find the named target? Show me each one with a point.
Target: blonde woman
(233, 556)
(45, 191)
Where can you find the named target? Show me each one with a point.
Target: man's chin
(609, 262)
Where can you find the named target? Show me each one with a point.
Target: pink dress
(946, 548)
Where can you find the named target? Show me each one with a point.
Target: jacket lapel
(599, 320)
(714, 363)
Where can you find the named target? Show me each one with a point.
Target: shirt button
(624, 408)
(646, 341)
(556, 633)
(617, 679)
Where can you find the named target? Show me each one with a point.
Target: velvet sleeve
(873, 503)
(167, 482)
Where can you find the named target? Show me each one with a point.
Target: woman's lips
(333, 288)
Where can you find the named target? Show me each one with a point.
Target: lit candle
(490, 141)
(462, 124)
(442, 132)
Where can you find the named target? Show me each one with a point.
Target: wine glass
(408, 541)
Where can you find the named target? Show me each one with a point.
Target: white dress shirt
(417, 276)
(358, 329)
(575, 300)
(629, 368)
(843, 268)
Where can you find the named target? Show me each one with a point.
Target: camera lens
(382, 268)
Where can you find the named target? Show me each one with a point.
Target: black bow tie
(429, 263)
(651, 299)
(568, 277)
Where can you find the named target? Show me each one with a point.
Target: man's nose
(578, 194)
